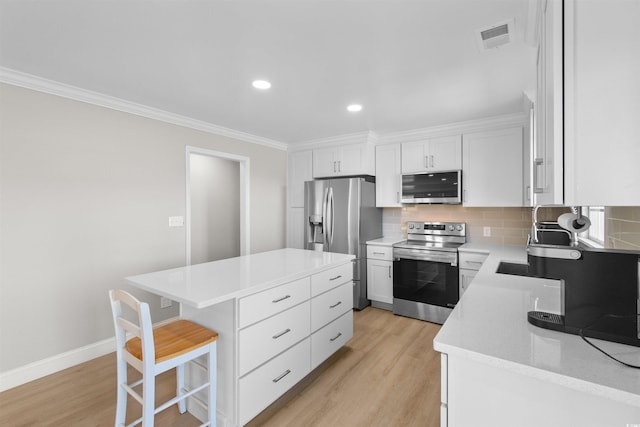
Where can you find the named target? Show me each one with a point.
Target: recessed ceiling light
(261, 84)
(354, 108)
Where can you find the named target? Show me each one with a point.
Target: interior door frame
(244, 163)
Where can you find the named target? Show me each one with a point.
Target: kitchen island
(279, 314)
(499, 370)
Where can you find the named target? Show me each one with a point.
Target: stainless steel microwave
(432, 187)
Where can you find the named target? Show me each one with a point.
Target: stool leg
(148, 398)
(121, 400)
(182, 404)
(212, 383)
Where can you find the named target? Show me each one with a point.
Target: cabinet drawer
(329, 279)
(264, 385)
(472, 261)
(329, 339)
(384, 253)
(267, 303)
(260, 342)
(331, 305)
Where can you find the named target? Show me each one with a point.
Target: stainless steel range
(425, 270)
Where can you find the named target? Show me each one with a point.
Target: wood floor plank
(387, 375)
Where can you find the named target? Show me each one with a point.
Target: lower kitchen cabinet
(474, 393)
(380, 275)
(469, 264)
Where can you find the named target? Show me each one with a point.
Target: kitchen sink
(514, 269)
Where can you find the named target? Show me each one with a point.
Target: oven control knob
(459, 228)
(451, 228)
(410, 226)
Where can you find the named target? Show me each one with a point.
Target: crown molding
(350, 138)
(29, 81)
(515, 119)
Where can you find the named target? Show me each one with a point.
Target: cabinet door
(353, 159)
(466, 276)
(388, 176)
(548, 148)
(325, 162)
(300, 170)
(445, 153)
(380, 280)
(415, 157)
(493, 168)
(295, 228)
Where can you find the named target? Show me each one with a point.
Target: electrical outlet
(486, 231)
(176, 221)
(165, 302)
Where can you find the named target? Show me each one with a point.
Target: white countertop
(489, 325)
(386, 241)
(203, 285)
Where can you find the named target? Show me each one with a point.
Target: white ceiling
(411, 64)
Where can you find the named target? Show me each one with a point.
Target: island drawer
(259, 306)
(264, 385)
(260, 342)
(329, 279)
(331, 305)
(329, 339)
(383, 253)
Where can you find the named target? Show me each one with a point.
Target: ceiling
(411, 64)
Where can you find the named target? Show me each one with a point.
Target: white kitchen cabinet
(547, 162)
(469, 263)
(432, 155)
(380, 275)
(344, 160)
(602, 103)
(300, 164)
(492, 172)
(388, 175)
(295, 228)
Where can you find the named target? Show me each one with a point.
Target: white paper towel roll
(574, 222)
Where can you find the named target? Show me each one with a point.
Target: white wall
(85, 196)
(215, 208)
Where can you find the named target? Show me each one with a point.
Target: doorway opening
(217, 205)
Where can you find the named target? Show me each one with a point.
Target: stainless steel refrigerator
(340, 216)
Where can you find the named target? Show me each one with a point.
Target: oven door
(427, 282)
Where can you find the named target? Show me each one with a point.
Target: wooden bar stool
(154, 351)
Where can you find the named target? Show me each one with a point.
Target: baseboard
(59, 362)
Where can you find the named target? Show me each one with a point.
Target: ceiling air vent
(495, 35)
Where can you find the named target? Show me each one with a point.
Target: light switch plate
(176, 221)
(486, 231)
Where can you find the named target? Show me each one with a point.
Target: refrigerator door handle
(325, 218)
(331, 217)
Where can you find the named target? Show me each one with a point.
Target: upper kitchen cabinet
(547, 158)
(587, 103)
(602, 102)
(434, 154)
(344, 160)
(492, 173)
(388, 176)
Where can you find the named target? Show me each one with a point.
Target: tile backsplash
(511, 226)
(622, 227)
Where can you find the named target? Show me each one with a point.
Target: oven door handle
(417, 255)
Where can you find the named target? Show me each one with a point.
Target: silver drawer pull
(336, 278)
(378, 253)
(336, 337)
(335, 305)
(281, 376)
(281, 299)
(474, 262)
(276, 336)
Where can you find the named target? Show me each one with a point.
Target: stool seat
(174, 339)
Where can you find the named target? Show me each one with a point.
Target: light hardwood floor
(387, 375)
